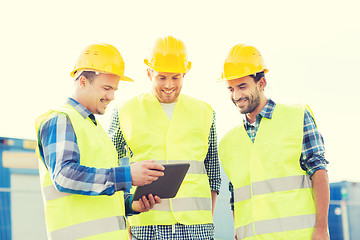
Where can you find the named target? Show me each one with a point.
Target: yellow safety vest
(151, 135)
(272, 194)
(73, 216)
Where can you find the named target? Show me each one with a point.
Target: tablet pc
(166, 186)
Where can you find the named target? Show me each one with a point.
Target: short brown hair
(90, 75)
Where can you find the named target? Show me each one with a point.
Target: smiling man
(169, 127)
(274, 159)
(82, 182)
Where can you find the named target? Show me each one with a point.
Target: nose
(168, 83)
(236, 95)
(111, 95)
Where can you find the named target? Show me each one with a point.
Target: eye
(242, 86)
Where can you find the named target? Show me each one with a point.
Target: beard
(253, 101)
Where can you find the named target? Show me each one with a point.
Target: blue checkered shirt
(177, 231)
(313, 149)
(60, 152)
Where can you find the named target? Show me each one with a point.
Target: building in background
(344, 211)
(21, 206)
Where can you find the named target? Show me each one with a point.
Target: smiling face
(245, 94)
(166, 86)
(95, 95)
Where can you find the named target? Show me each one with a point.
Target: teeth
(168, 91)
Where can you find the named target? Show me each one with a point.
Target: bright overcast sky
(310, 47)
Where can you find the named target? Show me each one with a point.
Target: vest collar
(80, 108)
(266, 112)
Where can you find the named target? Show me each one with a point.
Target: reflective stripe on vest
(272, 185)
(87, 229)
(276, 225)
(183, 204)
(196, 167)
(50, 193)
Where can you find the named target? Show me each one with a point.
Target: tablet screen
(166, 186)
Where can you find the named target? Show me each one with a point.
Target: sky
(310, 47)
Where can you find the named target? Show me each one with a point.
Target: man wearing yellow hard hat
(274, 159)
(171, 127)
(81, 181)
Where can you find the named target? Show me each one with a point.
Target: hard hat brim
(122, 78)
(127, 79)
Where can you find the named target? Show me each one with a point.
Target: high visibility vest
(151, 135)
(272, 194)
(73, 216)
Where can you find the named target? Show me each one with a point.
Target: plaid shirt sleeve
(231, 189)
(313, 149)
(117, 136)
(211, 161)
(61, 155)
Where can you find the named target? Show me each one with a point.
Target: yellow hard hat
(104, 58)
(168, 55)
(242, 60)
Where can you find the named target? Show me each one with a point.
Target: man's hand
(320, 234)
(145, 172)
(145, 204)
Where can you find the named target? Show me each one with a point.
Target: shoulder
(295, 110)
(233, 131)
(196, 101)
(53, 122)
(303, 108)
(291, 107)
(135, 100)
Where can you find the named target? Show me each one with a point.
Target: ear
(149, 73)
(82, 81)
(262, 84)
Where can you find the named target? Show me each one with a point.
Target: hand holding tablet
(143, 172)
(166, 186)
(145, 203)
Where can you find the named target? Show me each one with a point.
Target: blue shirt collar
(84, 112)
(266, 112)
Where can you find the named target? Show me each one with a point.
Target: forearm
(128, 199)
(213, 200)
(78, 179)
(321, 191)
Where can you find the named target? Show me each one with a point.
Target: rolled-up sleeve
(313, 148)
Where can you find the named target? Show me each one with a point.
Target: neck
(81, 100)
(77, 98)
(252, 116)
